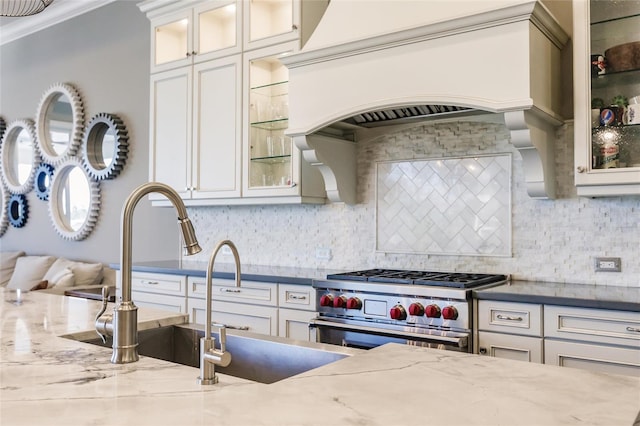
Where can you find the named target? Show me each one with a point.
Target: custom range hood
(372, 63)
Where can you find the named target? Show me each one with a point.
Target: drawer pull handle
(633, 329)
(509, 318)
(150, 282)
(230, 290)
(294, 297)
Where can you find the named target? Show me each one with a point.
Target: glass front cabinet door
(207, 31)
(273, 164)
(607, 97)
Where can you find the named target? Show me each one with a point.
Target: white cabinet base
(294, 324)
(507, 346)
(589, 356)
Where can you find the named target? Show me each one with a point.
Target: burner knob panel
(326, 300)
(354, 303)
(340, 302)
(433, 311)
(449, 313)
(398, 313)
(416, 309)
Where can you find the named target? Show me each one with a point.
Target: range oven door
(365, 335)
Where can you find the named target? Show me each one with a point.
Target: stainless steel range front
(368, 308)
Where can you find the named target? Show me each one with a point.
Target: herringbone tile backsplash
(444, 206)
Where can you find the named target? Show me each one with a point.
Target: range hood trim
(531, 123)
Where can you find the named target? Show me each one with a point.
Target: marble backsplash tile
(552, 240)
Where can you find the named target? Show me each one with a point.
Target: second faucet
(209, 355)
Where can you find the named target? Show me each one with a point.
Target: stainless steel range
(369, 308)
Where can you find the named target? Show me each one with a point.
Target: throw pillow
(7, 265)
(29, 272)
(63, 278)
(58, 266)
(87, 273)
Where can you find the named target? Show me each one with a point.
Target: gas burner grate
(444, 279)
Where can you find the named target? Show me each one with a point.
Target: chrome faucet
(123, 324)
(209, 355)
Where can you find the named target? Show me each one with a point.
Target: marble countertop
(47, 380)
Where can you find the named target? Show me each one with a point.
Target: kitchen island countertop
(47, 379)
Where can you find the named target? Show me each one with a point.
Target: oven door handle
(459, 340)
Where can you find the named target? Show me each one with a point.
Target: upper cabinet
(607, 97)
(195, 34)
(219, 101)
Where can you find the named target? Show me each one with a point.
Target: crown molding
(58, 11)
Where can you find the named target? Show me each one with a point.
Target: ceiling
(60, 10)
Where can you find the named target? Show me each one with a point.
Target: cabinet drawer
(593, 325)
(175, 285)
(256, 319)
(297, 297)
(590, 356)
(510, 317)
(160, 301)
(508, 346)
(258, 293)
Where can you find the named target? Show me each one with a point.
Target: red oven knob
(326, 300)
(433, 311)
(416, 309)
(449, 312)
(398, 313)
(354, 303)
(340, 302)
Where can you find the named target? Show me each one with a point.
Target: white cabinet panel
(510, 317)
(294, 324)
(256, 319)
(593, 325)
(520, 348)
(170, 130)
(297, 297)
(160, 301)
(174, 285)
(589, 356)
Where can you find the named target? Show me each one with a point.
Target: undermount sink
(256, 357)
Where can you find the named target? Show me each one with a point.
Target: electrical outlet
(226, 251)
(608, 264)
(323, 253)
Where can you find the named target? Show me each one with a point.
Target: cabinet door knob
(294, 27)
(581, 169)
(188, 54)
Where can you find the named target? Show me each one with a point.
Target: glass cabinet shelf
(276, 124)
(276, 159)
(615, 79)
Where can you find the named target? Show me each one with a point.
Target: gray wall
(105, 55)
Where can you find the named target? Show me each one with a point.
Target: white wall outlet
(226, 251)
(323, 253)
(608, 264)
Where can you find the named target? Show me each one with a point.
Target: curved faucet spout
(209, 355)
(191, 245)
(124, 322)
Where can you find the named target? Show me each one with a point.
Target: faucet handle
(223, 337)
(101, 324)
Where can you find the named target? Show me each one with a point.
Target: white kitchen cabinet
(510, 330)
(593, 339)
(270, 22)
(160, 301)
(241, 316)
(297, 306)
(273, 164)
(607, 154)
(159, 291)
(252, 307)
(195, 130)
(508, 346)
(199, 32)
